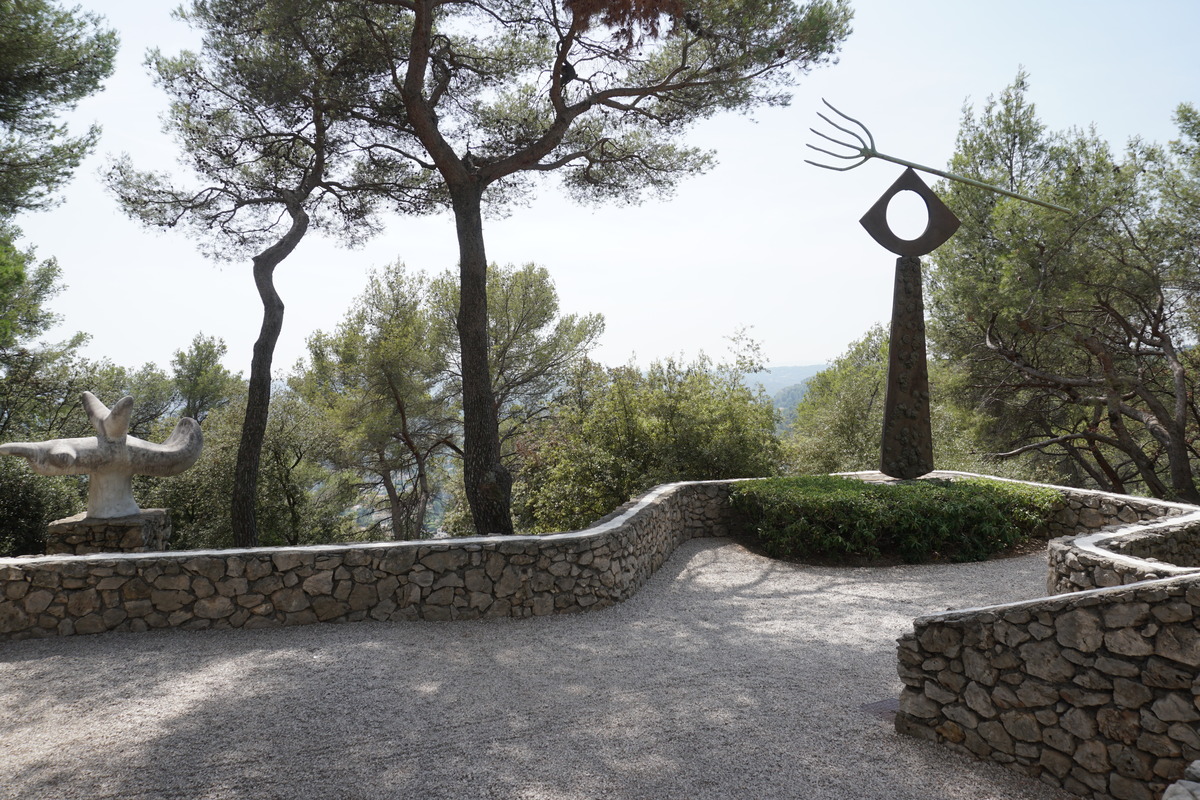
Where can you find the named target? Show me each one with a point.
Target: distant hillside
(774, 379)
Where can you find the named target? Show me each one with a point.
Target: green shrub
(837, 518)
(28, 503)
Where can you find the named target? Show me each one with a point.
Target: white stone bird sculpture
(112, 457)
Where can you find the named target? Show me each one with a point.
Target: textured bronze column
(907, 450)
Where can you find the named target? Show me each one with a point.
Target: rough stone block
(1179, 643)
(977, 667)
(1175, 707)
(1121, 725)
(1079, 722)
(1021, 725)
(1182, 790)
(1057, 763)
(290, 601)
(326, 608)
(289, 560)
(941, 639)
(214, 607)
(1037, 693)
(1128, 642)
(1080, 629)
(1059, 739)
(1130, 694)
(1044, 660)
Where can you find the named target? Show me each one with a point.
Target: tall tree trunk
(422, 500)
(399, 525)
(1178, 457)
(258, 398)
(488, 483)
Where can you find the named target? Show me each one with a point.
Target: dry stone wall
(148, 530)
(1096, 690)
(1122, 554)
(502, 576)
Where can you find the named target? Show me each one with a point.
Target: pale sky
(763, 241)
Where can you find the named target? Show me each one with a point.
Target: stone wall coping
(609, 525)
(458, 542)
(1093, 543)
(1053, 602)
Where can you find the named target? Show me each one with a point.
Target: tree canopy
(839, 421)
(1076, 331)
(259, 118)
(50, 58)
(389, 377)
(469, 101)
(614, 433)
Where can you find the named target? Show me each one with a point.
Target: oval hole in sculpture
(907, 214)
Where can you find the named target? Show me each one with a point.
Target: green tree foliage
(617, 432)
(40, 382)
(481, 97)
(259, 115)
(40, 388)
(201, 382)
(1075, 331)
(389, 377)
(838, 421)
(532, 346)
(198, 382)
(27, 503)
(50, 58)
(300, 499)
(12, 276)
(381, 375)
(40, 385)
(786, 400)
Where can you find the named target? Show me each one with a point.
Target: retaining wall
(1096, 690)
(469, 578)
(1125, 554)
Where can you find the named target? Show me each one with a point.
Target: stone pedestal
(146, 531)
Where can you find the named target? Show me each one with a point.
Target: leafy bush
(847, 519)
(615, 433)
(29, 502)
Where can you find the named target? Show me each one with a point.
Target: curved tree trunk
(488, 483)
(258, 398)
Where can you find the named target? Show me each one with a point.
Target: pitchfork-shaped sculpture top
(864, 151)
(112, 457)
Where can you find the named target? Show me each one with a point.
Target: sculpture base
(144, 532)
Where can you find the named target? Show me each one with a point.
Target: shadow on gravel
(729, 675)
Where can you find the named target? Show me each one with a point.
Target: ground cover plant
(830, 517)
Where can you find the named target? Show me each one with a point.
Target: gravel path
(728, 676)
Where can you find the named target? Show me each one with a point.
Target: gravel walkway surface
(728, 676)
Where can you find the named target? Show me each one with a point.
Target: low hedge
(829, 517)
